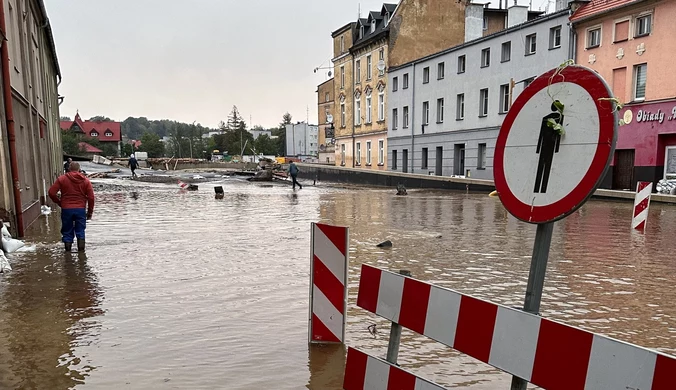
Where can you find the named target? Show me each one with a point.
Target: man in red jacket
(77, 205)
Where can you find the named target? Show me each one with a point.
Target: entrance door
(439, 161)
(404, 160)
(623, 171)
(459, 163)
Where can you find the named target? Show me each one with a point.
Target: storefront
(646, 145)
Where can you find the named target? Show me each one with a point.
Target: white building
(258, 133)
(302, 140)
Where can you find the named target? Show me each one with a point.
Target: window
(342, 114)
(527, 82)
(381, 151)
(483, 102)
(640, 73)
(486, 57)
(108, 134)
(368, 67)
(485, 23)
(394, 160)
(381, 106)
(369, 109)
(93, 134)
(368, 152)
(426, 75)
(373, 26)
(461, 64)
(395, 84)
(643, 25)
(387, 19)
(405, 125)
(424, 158)
(326, 97)
(531, 44)
(395, 118)
(504, 98)
(357, 113)
(593, 37)
(506, 54)
(555, 37)
(481, 161)
(460, 108)
(342, 154)
(440, 110)
(342, 77)
(342, 43)
(381, 55)
(357, 72)
(361, 32)
(621, 32)
(441, 70)
(357, 153)
(426, 113)
(405, 80)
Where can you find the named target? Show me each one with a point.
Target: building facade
(30, 136)
(628, 44)
(326, 118)
(302, 141)
(446, 109)
(258, 133)
(343, 92)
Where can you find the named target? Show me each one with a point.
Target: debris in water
(385, 244)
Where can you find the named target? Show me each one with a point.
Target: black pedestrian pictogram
(548, 144)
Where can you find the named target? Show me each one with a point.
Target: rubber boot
(69, 246)
(80, 244)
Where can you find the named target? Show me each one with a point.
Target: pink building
(629, 43)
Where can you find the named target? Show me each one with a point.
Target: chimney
(517, 14)
(474, 21)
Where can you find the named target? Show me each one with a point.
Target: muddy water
(182, 291)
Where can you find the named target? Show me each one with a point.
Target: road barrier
(328, 284)
(544, 352)
(641, 204)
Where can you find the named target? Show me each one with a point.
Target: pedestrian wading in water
(77, 205)
(293, 171)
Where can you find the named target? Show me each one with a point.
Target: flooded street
(178, 290)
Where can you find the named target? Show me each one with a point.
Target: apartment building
(446, 109)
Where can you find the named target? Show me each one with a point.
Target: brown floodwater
(178, 290)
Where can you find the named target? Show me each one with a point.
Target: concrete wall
(423, 27)
(35, 102)
(473, 129)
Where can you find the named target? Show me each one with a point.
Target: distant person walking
(293, 171)
(133, 165)
(66, 166)
(77, 205)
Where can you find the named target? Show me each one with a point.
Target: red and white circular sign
(542, 173)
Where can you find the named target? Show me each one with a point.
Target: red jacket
(76, 192)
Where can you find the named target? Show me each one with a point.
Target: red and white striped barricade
(641, 204)
(328, 284)
(367, 372)
(544, 352)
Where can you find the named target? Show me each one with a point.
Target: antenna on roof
(359, 11)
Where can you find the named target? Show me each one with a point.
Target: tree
(151, 144)
(127, 150)
(70, 143)
(100, 118)
(66, 118)
(265, 145)
(280, 133)
(235, 120)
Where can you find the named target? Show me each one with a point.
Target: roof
(87, 148)
(387, 7)
(541, 19)
(96, 129)
(50, 36)
(597, 7)
(368, 35)
(343, 29)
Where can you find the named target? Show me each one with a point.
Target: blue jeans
(73, 223)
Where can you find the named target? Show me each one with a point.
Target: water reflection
(327, 365)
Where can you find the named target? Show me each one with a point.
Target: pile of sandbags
(9, 245)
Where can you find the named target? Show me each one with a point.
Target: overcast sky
(193, 60)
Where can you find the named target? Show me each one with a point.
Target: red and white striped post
(641, 204)
(328, 284)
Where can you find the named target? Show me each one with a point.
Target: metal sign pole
(536, 280)
(395, 335)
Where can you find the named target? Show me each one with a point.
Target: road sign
(542, 173)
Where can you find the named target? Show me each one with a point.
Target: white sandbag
(5, 232)
(11, 245)
(45, 210)
(4, 264)
(27, 248)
